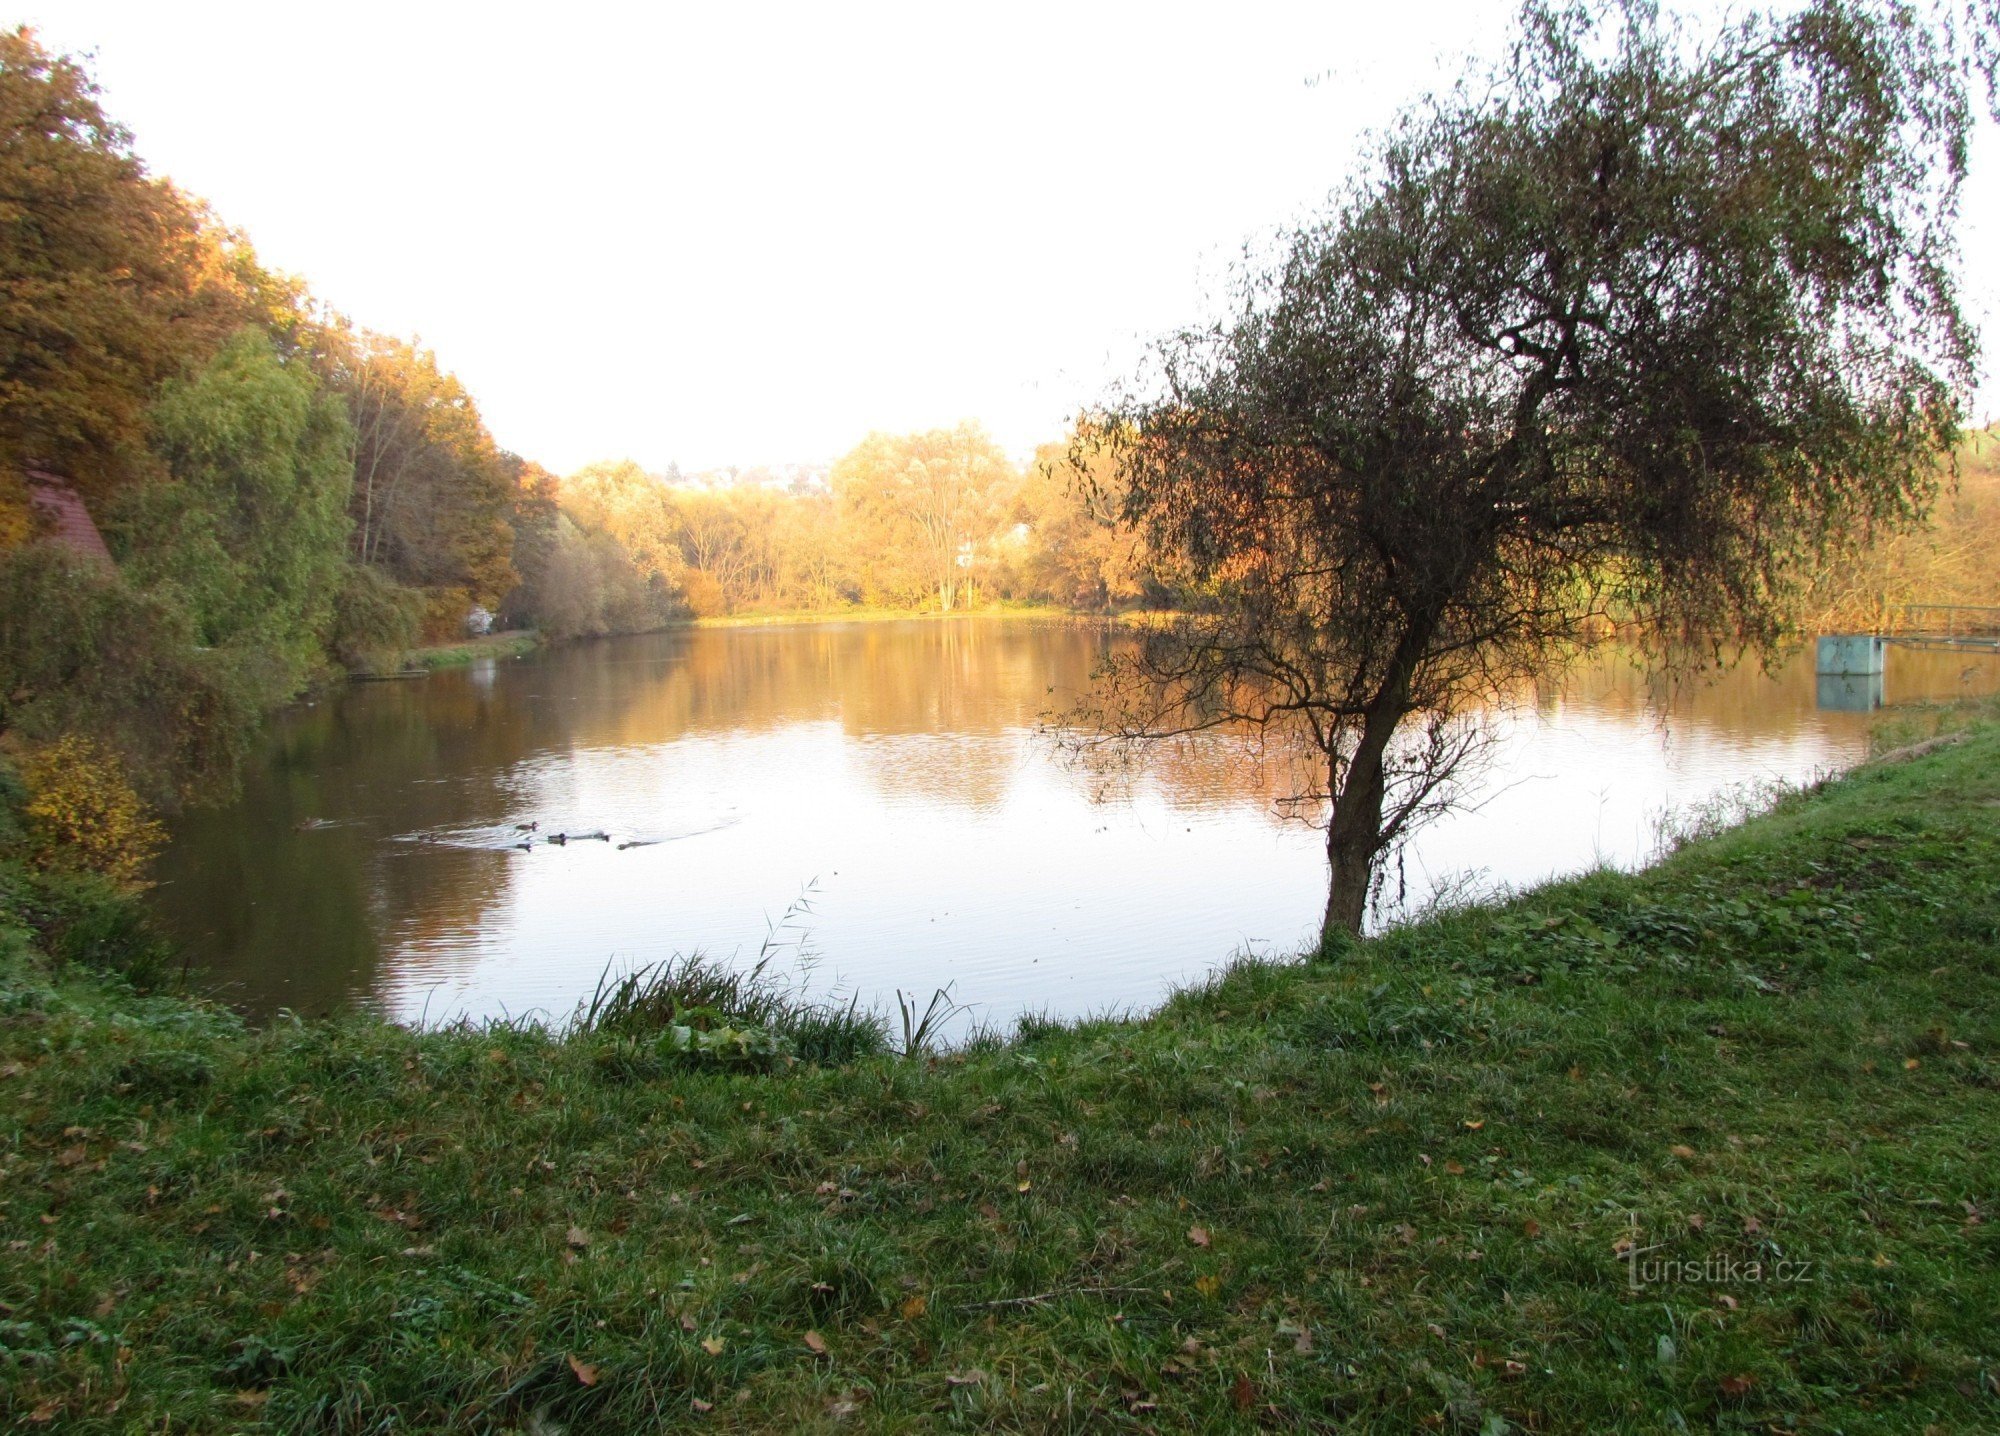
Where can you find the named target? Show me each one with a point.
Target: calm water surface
(892, 775)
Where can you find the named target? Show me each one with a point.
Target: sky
(739, 234)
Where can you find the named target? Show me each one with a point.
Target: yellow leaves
(913, 1307)
(1683, 1151)
(83, 813)
(713, 1345)
(1208, 1285)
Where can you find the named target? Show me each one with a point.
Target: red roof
(69, 522)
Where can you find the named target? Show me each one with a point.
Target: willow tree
(1640, 323)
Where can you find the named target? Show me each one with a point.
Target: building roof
(68, 520)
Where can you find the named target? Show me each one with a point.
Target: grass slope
(1401, 1191)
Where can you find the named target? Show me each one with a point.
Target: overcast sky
(739, 233)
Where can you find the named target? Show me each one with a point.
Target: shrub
(83, 813)
(82, 651)
(375, 620)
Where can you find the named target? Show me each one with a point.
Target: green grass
(1388, 1193)
(511, 644)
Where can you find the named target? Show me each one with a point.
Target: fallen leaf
(585, 1373)
(1208, 1285)
(964, 1378)
(1737, 1386)
(1243, 1394)
(1198, 1235)
(699, 1406)
(1531, 1228)
(1910, 1064)
(1455, 1169)
(1729, 1303)
(815, 1343)
(1751, 1226)
(1475, 1126)
(579, 1238)
(1684, 1152)
(713, 1345)
(914, 1307)
(1023, 1186)
(687, 1322)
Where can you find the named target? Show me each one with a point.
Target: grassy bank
(511, 644)
(1708, 1147)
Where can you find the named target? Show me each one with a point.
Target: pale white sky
(749, 233)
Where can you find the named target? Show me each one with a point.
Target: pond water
(880, 796)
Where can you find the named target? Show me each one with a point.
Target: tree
(109, 281)
(1640, 324)
(924, 500)
(431, 492)
(248, 531)
(1078, 554)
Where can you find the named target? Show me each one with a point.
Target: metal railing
(1946, 625)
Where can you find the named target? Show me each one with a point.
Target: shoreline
(1330, 1180)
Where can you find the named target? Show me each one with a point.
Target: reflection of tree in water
(255, 894)
(944, 711)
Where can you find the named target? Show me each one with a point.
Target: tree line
(287, 493)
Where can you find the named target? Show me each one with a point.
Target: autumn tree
(109, 282)
(431, 493)
(1642, 322)
(920, 503)
(1079, 554)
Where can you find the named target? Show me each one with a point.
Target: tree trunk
(1354, 828)
(1353, 831)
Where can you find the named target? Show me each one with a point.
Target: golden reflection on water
(895, 772)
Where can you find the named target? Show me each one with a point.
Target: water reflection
(894, 771)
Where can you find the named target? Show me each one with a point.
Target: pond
(876, 802)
